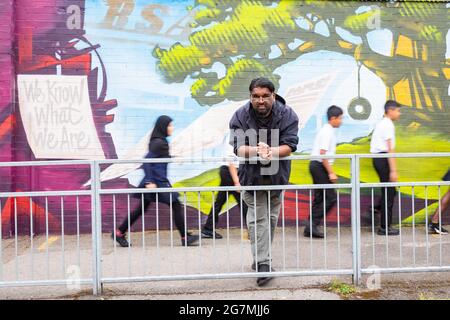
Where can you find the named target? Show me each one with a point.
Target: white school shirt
(384, 130)
(325, 140)
(228, 152)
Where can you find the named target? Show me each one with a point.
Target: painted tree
(240, 36)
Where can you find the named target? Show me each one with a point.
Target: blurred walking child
(322, 171)
(156, 177)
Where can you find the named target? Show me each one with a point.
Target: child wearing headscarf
(156, 177)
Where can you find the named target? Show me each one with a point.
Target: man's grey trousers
(262, 219)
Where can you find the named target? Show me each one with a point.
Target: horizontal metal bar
(405, 184)
(218, 159)
(41, 283)
(228, 276)
(404, 155)
(45, 193)
(405, 269)
(45, 163)
(209, 189)
(295, 157)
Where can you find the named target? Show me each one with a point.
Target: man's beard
(264, 113)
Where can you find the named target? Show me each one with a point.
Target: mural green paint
(240, 35)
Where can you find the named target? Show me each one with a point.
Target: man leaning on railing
(265, 127)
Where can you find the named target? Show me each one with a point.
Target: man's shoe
(190, 240)
(434, 229)
(314, 232)
(254, 267)
(121, 240)
(263, 280)
(390, 231)
(207, 234)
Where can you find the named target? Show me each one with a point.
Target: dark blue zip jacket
(157, 173)
(285, 120)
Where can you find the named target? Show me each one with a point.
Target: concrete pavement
(160, 254)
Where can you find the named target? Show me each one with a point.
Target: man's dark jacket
(284, 119)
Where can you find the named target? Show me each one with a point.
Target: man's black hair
(391, 104)
(334, 111)
(262, 83)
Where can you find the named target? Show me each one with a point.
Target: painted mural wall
(6, 99)
(86, 79)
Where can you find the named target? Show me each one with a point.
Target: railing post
(358, 217)
(355, 214)
(96, 228)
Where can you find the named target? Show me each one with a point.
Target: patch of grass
(343, 289)
(425, 296)
(429, 296)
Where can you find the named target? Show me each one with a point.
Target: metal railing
(155, 256)
(381, 247)
(37, 254)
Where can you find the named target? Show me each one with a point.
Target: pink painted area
(39, 15)
(6, 82)
(6, 11)
(6, 106)
(6, 63)
(35, 38)
(6, 79)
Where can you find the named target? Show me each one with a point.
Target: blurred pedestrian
(156, 177)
